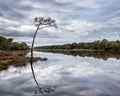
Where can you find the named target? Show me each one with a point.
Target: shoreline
(70, 50)
(99, 54)
(73, 50)
(16, 58)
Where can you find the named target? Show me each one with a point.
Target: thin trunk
(31, 62)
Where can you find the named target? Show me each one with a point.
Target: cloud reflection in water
(72, 76)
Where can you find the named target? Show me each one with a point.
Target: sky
(77, 20)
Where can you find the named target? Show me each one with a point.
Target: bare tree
(40, 23)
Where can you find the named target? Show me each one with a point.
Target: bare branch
(42, 21)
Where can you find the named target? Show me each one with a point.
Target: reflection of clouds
(76, 70)
(59, 64)
(73, 76)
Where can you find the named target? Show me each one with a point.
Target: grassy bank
(15, 58)
(87, 46)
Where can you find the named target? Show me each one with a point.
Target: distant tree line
(96, 45)
(8, 44)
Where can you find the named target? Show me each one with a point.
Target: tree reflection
(40, 87)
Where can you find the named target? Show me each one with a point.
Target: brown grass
(15, 58)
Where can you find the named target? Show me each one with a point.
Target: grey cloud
(13, 33)
(13, 10)
(65, 12)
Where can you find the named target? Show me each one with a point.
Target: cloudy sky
(77, 20)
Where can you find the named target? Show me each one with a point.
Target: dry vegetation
(15, 58)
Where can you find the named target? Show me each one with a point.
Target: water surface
(71, 76)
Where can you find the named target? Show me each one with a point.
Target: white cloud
(8, 21)
(22, 28)
(87, 4)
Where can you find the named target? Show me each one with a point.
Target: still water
(69, 75)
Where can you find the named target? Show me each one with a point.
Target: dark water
(70, 76)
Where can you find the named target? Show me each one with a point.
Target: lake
(68, 75)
